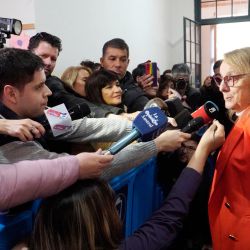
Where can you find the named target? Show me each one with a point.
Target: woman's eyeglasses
(231, 80)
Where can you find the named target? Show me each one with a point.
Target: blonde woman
(229, 202)
(74, 78)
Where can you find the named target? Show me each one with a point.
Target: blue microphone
(147, 125)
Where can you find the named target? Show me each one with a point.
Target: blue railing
(137, 196)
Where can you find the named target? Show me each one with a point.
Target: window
(192, 50)
(221, 11)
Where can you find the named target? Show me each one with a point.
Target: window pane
(197, 40)
(197, 53)
(240, 7)
(187, 51)
(193, 52)
(208, 10)
(192, 32)
(197, 75)
(224, 8)
(192, 68)
(187, 30)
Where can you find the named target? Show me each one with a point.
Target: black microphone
(193, 125)
(174, 106)
(76, 112)
(183, 118)
(79, 111)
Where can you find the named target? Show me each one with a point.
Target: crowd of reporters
(115, 97)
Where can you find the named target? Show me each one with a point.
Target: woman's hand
(213, 138)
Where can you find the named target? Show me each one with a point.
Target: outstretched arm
(29, 180)
(134, 154)
(162, 228)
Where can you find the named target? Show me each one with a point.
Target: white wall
(179, 9)
(153, 29)
(19, 9)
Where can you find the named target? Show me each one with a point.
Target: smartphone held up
(151, 69)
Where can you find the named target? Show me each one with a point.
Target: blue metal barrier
(137, 196)
(13, 228)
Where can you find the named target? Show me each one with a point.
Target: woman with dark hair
(103, 87)
(83, 217)
(166, 86)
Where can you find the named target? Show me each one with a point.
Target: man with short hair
(48, 47)
(190, 96)
(115, 57)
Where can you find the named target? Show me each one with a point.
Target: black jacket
(193, 98)
(70, 99)
(133, 96)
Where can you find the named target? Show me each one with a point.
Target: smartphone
(151, 69)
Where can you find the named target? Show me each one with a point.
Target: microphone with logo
(147, 125)
(203, 115)
(76, 112)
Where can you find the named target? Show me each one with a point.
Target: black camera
(9, 26)
(181, 84)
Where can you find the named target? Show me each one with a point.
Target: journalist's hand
(93, 164)
(170, 140)
(25, 129)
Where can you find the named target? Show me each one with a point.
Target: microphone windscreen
(174, 106)
(76, 112)
(183, 118)
(150, 123)
(208, 112)
(147, 125)
(193, 125)
(79, 111)
(157, 102)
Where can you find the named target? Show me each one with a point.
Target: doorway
(221, 38)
